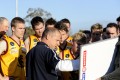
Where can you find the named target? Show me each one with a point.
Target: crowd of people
(51, 53)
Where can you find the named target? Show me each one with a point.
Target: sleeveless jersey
(69, 39)
(13, 60)
(67, 54)
(33, 41)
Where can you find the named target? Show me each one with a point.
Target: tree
(32, 12)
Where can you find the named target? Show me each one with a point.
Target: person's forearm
(68, 65)
(4, 78)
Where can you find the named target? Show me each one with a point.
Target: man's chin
(39, 36)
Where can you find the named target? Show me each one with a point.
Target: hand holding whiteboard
(96, 59)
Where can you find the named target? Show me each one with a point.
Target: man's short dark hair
(50, 21)
(118, 19)
(65, 20)
(60, 26)
(87, 32)
(16, 20)
(35, 21)
(112, 25)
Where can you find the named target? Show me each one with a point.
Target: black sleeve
(115, 75)
(52, 59)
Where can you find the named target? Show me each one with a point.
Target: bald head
(52, 37)
(50, 31)
(3, 25)
(2, 19)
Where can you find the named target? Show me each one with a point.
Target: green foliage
(80, 30)
(33, 12)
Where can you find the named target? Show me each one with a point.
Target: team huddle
(48, 54)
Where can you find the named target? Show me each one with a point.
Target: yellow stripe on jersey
(69, 39)
(33, 41)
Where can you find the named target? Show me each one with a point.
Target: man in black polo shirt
(42, 62)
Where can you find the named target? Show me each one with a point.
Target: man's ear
(13, 28)
(47, 36)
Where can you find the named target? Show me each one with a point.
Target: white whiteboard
(96, 59)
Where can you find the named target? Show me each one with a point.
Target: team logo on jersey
(11, 43)
(14, 51)
(67, 55)
(35, 40)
